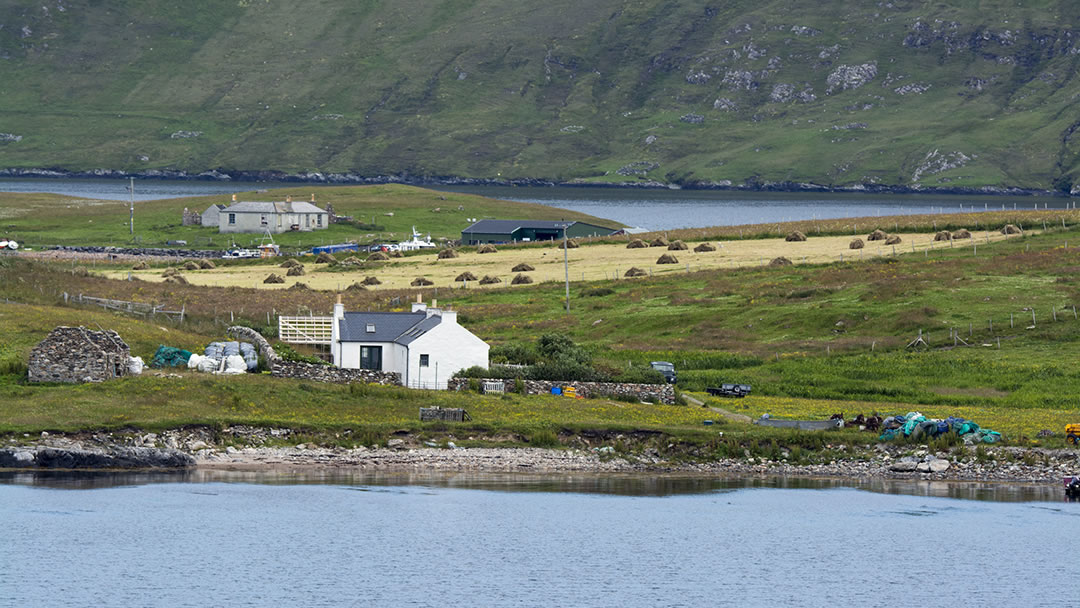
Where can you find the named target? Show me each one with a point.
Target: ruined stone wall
(658, 393)
(191, 218)
(76, 355)
(280, 368)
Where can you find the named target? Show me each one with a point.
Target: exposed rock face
(740, 80)
(725, 105)
(110, 458)
(694, 119)
(640, 167)
(915, 88)
(77, 354)
(658, 393)
(10, 137)
(847, 77)
(936, 162)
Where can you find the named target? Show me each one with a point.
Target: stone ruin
(77, 354)
(191, 218)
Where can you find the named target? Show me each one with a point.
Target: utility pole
(131, 208)
(566, 268)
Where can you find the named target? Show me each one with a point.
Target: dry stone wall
(280, 368)
(657, 393)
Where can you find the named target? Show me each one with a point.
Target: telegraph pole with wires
(566, 267)
(131, 208)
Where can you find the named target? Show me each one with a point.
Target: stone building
(191, 218)
(273, 217)
(77, 354)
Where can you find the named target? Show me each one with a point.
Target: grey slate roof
(509, 226)
(400, 327)
(268, 207)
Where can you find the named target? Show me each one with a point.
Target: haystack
(521, 279)
(636, 244)
(667, 258)
(289, 263)
(780, 261)
(378, 256)
(636, 272)
(176, 279)
(351, 261)
(170, 272)
(447, 254)
(274, 278)
(571, 244)
(144, 265)
(659, 242)
(191, 265)
(207, 264)
(295, 271)
(877, 235)
(299, 287)
(356, 287)
(855, 244)
(490, 280)
(704, 247)
(1010, 229)
(325, 258)
(677, 246)
(465, 276)
(795, 236)
(944, 235)
(522, 267)
(488, 248)
(893, 240)
(370, 281)
(396, 254)
(421, 282)
(962, 233)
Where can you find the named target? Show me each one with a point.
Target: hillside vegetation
(909, 93)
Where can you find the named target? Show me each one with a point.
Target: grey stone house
(212, 213)
(77, 354)
(276, 217)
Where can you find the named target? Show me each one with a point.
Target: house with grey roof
(426, 346)
(510, 231)
(275, 217)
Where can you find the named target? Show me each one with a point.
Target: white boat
(416, 242)
(237, 254)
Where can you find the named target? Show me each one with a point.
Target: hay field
(588, 263)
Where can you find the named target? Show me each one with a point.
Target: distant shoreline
(344, 179)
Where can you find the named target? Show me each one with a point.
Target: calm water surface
(651, 209)
(260, 539)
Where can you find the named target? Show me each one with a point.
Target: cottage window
(232, 219)
(371, 357)
(424, 360)
(318, 220)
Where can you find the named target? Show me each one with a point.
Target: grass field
(381, 213)
(593, 262)
(813, 339)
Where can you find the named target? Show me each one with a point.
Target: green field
(752, 92)
(380, 213)
(811, 339)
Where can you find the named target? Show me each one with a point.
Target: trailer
(729, 390)
(341, 248)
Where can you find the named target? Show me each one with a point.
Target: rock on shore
(119, 457)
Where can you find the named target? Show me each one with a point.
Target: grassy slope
(50, 219)
(489, 88)
(811, 339)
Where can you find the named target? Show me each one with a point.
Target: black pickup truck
(729, 390)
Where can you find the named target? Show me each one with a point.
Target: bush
(597, 292)
(13, 366)
(288, 353)
(639, 375)
(544, 439)
(517, 353)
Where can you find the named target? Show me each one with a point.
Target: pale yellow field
(588, 263)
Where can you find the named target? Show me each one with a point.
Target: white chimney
(449, 316)
(339, 309)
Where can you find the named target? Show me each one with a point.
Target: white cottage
(426, 346)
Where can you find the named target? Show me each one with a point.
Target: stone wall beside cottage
(280, 368)
(657, 393)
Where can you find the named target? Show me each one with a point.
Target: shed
(77, 354)
(509, 231)
(212, 215)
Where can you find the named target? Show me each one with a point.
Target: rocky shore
(261, 448)
(315, 177)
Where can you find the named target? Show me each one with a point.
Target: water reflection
(612, 484)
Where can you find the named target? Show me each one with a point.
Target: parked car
(667, 369)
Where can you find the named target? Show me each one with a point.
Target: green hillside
(929, 94)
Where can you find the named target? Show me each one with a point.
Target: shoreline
(345, 179)
(195, 449)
